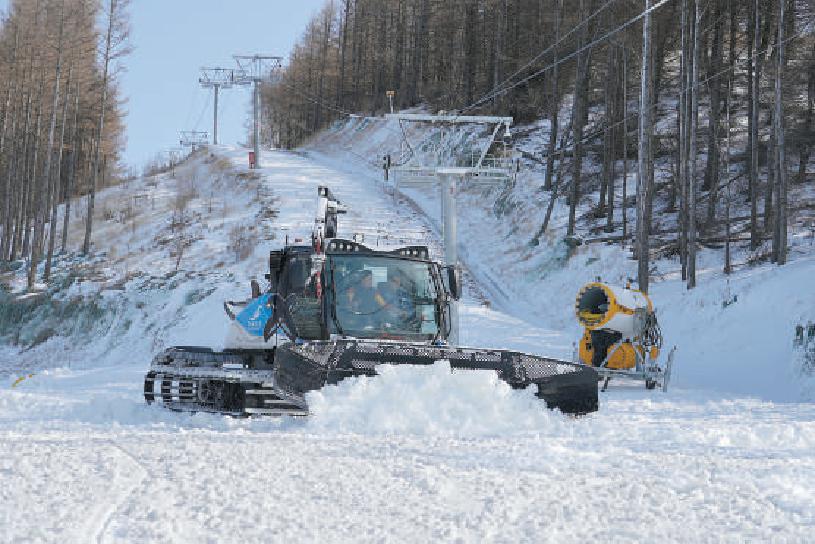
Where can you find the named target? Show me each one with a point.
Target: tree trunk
(711, 182)
(805, 147)
(772, 171)
(497, 71)
(558, 183)
(21, 198)
(624, 204)
(33, 187)
(554, 104)
(694, 121)
(580, 91)
(70, 182)
(52, 234)
(607, 180)
(780, 238)
(100, 128)
(643, 154)
(8, 114)
(613, 140)
(684, 140)
(42, 208)
(728, 268)
(754, 139)
(342, 49)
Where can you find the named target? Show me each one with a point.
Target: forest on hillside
(61, 120)
(724, 81)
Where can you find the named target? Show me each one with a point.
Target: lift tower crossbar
(193, 138)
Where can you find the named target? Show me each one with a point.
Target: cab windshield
(381, 297)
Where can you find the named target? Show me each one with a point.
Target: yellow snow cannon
(621, 334)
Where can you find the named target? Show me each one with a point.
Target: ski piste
(322, 298)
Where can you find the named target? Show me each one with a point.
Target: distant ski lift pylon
(480, 168)
(193, 138)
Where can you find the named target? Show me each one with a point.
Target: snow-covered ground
(415, 454)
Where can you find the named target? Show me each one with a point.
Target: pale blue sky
(172, 39)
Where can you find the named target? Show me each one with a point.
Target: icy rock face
(429, 401)
(32, 320)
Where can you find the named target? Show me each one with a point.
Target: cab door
(298, 294)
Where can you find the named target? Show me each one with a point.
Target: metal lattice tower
(485, 170)
(257, 69)
(193, 138)
(217, 79)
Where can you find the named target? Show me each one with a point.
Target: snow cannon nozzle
(602, 306)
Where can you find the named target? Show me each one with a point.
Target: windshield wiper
(438, 309)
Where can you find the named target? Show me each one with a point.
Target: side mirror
(255, 288)
(453, 282)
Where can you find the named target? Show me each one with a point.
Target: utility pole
(257, 68)
(390, 95)
(174, 155)
(780, 238)
(727, 265)
(217, 79)
(754, 116)
(643, 183)
(694, 151)
(448, 190)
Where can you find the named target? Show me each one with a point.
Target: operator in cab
(358, 301)
(397, 302)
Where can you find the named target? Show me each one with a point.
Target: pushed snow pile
(429, 401)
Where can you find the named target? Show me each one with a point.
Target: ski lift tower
(174, 155)
(484, 170)
(217, 79)
(257, 69)
(193, 139)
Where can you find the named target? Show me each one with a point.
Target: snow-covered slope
(413, 455)
(741, 348)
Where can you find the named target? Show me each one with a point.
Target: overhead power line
(551, 47)
(701, 82)
(571, 55)
(203, 111)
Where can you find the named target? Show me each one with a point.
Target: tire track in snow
(102, 525)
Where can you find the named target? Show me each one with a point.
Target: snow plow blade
(569, 387)
(275, 382)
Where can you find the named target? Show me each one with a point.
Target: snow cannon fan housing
(620, 325)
